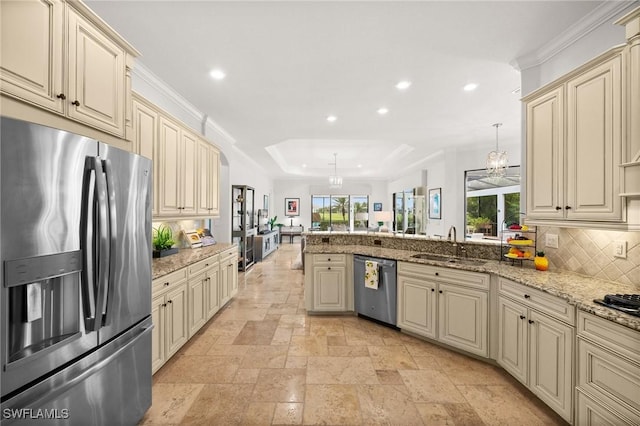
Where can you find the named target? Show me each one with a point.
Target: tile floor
(262, 361)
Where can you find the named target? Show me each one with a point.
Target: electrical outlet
(552, 241)
(620, 249)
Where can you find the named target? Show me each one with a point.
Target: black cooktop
(627, 303)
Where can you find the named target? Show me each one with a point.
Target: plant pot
(163, 253)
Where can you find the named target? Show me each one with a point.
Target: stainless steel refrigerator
(75, 287)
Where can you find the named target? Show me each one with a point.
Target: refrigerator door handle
(87, 244)
(104, 244)
(103, 298)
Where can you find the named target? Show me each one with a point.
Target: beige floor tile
(430, 386)
(280, 385)
(228, 349)
(265, 357)
(256, 333)
(336, 340)
(282, 336)
(464, 370)
(348, 351)
(201, 369)
(435, 414)
(288, 413)
(220, 404)
(246, 375)
(296, 362)
(308, 346)
(293, 321)
(389, 377)
(391, 358)
(259, 413)
(170, 403)
(340, 370)
(200, 344)
(387, 405)
(506, 405)
(331, 405)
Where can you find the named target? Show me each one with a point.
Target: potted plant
(272, 222)
(163, 242)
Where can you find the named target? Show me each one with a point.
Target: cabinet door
(545, 151)
(189, 163)
(213, 291)
(176, 319)
(96, 77)
(592, 413)
(167, 163)
(204, 177)
(329, 288)
(32, 55)
(417, 306)
(145, 124)
(158, 333)
(550, 364)
(214, 182)
(197, 313)
(462, 318)
(594, 143)
(227, 268)
(512, 338)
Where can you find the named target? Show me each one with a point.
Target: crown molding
(598, 16)
(180, 102)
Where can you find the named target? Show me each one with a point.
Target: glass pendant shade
(335, 181)
(497, 161)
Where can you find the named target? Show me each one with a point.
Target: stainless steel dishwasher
(378, 304)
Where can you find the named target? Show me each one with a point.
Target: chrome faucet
(453, 228)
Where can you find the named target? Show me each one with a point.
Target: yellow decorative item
(521, 242)
(371, 274)
(541, 262)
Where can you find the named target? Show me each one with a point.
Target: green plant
(162, 238)
(540, 253)
(272, 221)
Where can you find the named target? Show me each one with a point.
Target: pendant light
(335, 181)
(497, 161)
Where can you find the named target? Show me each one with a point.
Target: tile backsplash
(590, 252)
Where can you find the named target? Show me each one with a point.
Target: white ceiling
(291, 64)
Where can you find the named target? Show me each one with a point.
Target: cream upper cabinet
(208, 175)
(594, 143)
(545, 155)
(176, 163)
(35, 27)
(96, 72)
(145, 140)
(574, 145)
(61, 57)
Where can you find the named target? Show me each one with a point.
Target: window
(339, 212)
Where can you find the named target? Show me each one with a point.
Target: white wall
(304, 189)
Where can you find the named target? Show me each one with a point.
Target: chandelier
(335, 181)
(497, 160)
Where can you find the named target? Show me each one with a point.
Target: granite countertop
(185, 257)
(576, 289)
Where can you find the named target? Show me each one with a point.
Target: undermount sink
(448, 259)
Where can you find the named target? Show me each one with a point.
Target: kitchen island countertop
(185, 257)
(576, 289)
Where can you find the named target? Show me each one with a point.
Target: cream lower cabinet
(228, 275)
(608, 377)
(169, 314)
(535, 343)
(329, 282)
(448, 305)
(204, 292)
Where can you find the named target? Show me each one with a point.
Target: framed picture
(292, 206)
(265, 203)
(435, 203)
(377, 207)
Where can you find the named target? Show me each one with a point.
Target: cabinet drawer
(454, 276)
(168, 280)
(203, 264)
(330, 258)
(621, 339)
(547, 303)
(609, 377)
(590, 412)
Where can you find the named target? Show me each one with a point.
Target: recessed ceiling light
(331, 118)
(359, 166)
(402, 85)
(217, 74)
(470, 87)
(304, 165)
(383, 111)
